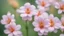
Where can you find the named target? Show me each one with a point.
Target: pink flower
(7, 19)
(54, 23)
(60, 7)
(27, 11)
(43, 3)
(13, 30)
(41, 25)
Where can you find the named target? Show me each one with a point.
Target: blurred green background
(5, 7)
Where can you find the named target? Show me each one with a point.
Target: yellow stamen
(8, 21)
(27, 11)
(39, 13)
(11, 29)
(62, 7)
(41, 25)
(43, 3)
(51, 23)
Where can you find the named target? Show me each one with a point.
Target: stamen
(43, 3)
(39, 13)
(62, 7)
(41, 25)
(28, 11)
(51, 23)
(8, 21)
(11, 29)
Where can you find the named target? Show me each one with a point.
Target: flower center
(43, 3)
(27, 11)
(39, 13)
(41, 25)
(11, 29)
(51, 23)
(62, 7)
(8, 21)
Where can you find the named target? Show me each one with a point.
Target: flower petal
(7, 31)
(59, 11)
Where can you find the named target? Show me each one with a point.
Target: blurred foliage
(5, 7)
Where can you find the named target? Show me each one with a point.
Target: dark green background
(5, 7)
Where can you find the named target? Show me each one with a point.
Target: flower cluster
(43, 22)
(10, 26)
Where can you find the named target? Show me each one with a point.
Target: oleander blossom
(54, 23)
(60, 7)
(13, 30)
(42, 3)
(7, 19)
(27, 11)
(41, 25)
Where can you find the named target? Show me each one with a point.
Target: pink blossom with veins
(27, 11)
(60, 7)
(41, 25)
(54, 23)
(13, 30)
(7, 19)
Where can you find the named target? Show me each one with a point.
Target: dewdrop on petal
(13, 3)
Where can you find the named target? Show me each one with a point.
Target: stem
(27, 27)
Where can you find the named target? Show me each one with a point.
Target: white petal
(23, 15)
(3, 22)
(59, 11)
(40, 34)
(35, 24)
(30, 18)
(61, 34)
(18, 27)
(8, 13)
(55, 31)
(42, 30)
(57, 5)
(4, 17)
(7, 31)
(51, 29)
(17, 33)
(10, 34)
(36, 29)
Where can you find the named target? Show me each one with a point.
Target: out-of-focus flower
(61, 34)
(54, 23)
(62, 23)
(7, 19)
(27, 11)
(42, 13)
(42, 3)
(13, 30)
(60, 7)
(13, 3)
(41, 25)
